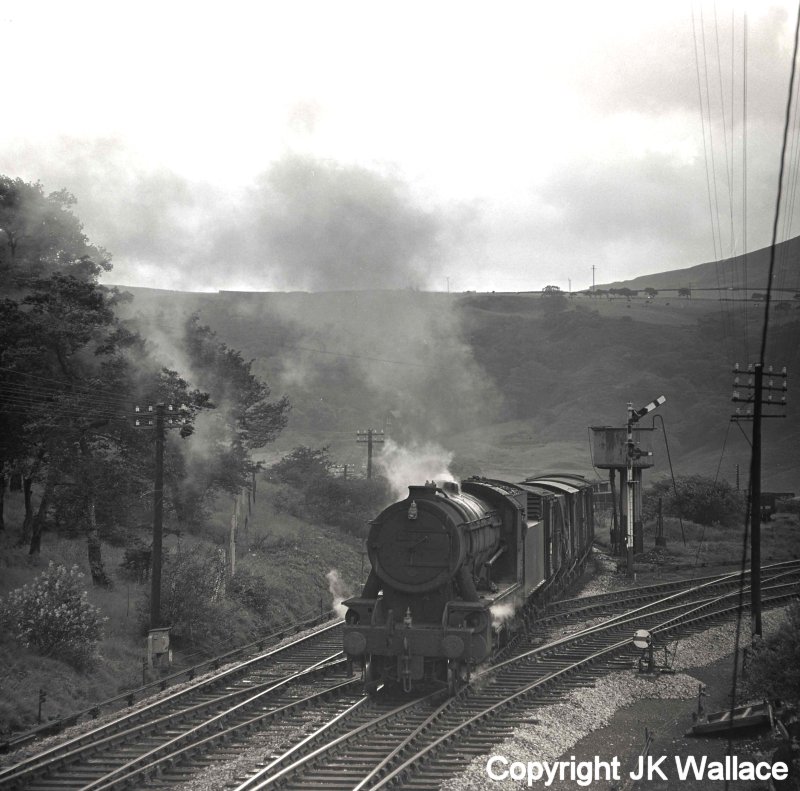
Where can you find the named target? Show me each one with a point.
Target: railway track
(430, 739)
(271, 685)
(303, 683)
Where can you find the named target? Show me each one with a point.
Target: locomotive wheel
(371, 679)
(455, 678)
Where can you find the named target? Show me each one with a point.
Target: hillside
(741, 275)
(498, 384)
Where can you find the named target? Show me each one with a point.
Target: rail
(129, 697)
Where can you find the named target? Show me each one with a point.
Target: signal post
(619, 449)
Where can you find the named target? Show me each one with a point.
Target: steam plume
(338, 590)
(416, 463)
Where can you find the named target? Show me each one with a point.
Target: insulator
(735, 395)
(750, 381)
(736, 380)
(750, 367)
(785, 385)
(783, 400)
(735, 367)
(783, 370)
(769, 370)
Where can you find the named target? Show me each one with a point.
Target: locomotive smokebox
(421, 543)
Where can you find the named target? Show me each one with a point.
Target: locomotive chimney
(422, 492)
(451, 487)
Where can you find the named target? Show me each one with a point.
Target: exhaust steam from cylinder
(339, 591)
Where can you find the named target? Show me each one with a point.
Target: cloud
(328, 226)
(653, 68)
(306, 223)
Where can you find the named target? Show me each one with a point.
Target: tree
(651, 292)
(68, 374)
(685, 292)
(549, 291)
(57, 329)
(241, 418)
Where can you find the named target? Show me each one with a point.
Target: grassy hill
(742, 275)
(501, 384)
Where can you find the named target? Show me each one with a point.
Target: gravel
(561, 725)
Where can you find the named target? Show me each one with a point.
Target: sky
(319, 145)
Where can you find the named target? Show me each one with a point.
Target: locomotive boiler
(456, 571)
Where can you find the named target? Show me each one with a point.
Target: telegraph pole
(156, 417)
(370, 436)
(158, 522)
(756, 384)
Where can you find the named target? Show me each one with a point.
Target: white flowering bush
(53, 617)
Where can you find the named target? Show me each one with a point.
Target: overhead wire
(703, 127)
(745, 317)
(726, 263)
(112, 396)
(778, 199)
(707, 120)
(765, 327)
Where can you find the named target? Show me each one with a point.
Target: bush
(699, 499)
(301, 465)
(349, 504)
(309, 492)
(192, 595)
(788, 506)
(54, 618)
(773, 665)
(251, 590)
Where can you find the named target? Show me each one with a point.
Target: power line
(110, 395)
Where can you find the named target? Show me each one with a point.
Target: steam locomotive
(458, 571)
